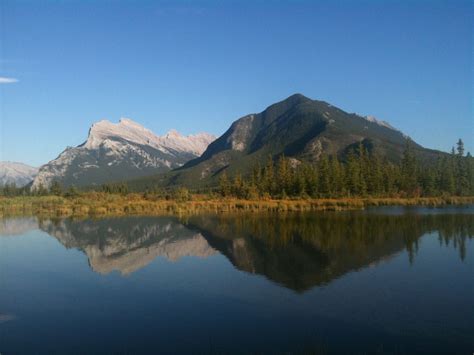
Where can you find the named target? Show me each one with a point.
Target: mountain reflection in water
(128, 244)
(298, 251)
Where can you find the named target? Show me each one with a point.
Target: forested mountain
(295, 148)
(362, 174)
(314, 137)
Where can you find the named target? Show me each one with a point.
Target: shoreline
(92, 205)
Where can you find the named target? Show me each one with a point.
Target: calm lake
(386, 280)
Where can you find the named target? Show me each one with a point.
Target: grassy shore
(100, 204)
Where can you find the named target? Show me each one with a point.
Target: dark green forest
(362, 174)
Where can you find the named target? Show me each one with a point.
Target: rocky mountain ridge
(16, 173)
(119, 151)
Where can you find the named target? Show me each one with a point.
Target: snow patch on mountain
(16, 173)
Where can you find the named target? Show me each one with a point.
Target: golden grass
(100, 204)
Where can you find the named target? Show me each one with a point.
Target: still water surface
(387, 280)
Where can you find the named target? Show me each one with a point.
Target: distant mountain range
(114, 152)
(298, 127)
(16, 173)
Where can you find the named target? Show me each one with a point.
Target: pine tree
(470, 173)
(447, 181)
(460, 147)
(429, 182)
(56, 188)
(283, 175)
(257, 178)
(324, 176)
(409, 171)
(181, 194)
(391, 179)
(375, 175)
(224, 185)
(353, 175)
(72, 191)
(252, 192)
(305, 181)
(268, 177)
(40, 190)
(462, 171)
(238, 187)
(337, 177)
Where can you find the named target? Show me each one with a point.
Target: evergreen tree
(40, 190)
(324, 176)
(10, 190)
(429, 182)
(462, 171)
(447, 182)
(224, 185)
(268, 177)
(409, 171)
(283, 175)
(470, 172)
(363, 173)
(460, 147)
(305, 181)
(375, 178)
(353, 181)
(72, 191)
(337, 177)
(56, 188)
(257, 178)
(182, 194)
(237, 188)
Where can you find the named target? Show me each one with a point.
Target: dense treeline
(56, 189)
(361, 174)
(333, 235)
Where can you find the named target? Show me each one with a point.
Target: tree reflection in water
(298, 251)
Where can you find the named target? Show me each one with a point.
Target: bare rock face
(118, 151)
(127, 245)
(240, 135)
(16, 173)
(313, 150)
(113, 258)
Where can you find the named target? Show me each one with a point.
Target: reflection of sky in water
(233, 293)
(400, 210)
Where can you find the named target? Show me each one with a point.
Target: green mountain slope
(297, 127)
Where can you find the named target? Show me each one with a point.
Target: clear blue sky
(198, 66)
